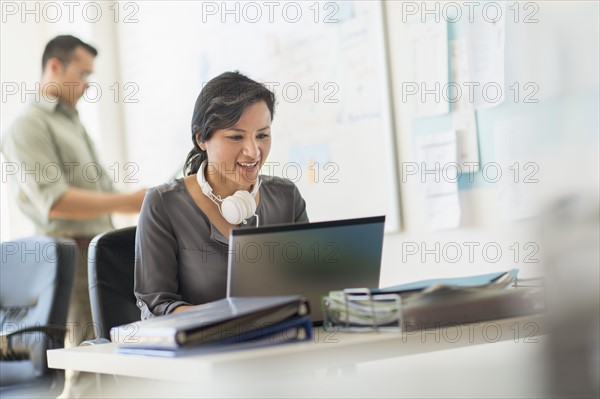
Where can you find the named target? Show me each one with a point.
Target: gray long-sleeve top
(181, 258)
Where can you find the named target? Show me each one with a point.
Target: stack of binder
(430, 303)
(226, 324)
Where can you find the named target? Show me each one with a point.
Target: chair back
(111, 260)
(36, 277)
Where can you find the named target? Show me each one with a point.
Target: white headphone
(235, 208)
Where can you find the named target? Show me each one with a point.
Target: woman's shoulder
(277, 183)
(275, 188)
(174, 187)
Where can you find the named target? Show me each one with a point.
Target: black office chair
(36, 277)
(111, 258)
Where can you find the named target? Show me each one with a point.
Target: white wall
(111, 123)
(17, 67)
(557, 57)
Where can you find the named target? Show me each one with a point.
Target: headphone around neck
(237, 207)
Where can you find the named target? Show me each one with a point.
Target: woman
(183, 231)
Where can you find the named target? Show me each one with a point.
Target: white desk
(338, 364)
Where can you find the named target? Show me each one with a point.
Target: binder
(297, 329)
(214, 322)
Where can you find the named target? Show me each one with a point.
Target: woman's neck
(224, 187)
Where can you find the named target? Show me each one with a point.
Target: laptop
(308, 259)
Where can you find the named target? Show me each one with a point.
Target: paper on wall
(437, 159)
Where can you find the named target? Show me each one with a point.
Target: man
(61, 186)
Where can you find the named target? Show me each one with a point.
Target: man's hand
(134, 202)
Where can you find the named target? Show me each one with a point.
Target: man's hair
(62, 47)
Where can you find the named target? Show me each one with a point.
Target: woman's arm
(156, 259)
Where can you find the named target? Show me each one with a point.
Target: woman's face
(236, 154)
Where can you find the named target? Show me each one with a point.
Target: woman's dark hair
(219, 106)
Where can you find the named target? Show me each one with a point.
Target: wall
(545, 53)
(551, 53)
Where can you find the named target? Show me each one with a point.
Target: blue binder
(214, 322)
(297, 329)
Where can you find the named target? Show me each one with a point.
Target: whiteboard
(332, 131)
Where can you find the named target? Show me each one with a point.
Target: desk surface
(328, 350)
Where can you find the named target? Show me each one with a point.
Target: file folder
(213, 322)
(297, 329)
(491, 280)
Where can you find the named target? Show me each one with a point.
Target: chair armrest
(8, 353)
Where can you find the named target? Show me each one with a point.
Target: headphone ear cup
(238, 207)
(248, 200)
(232, 211)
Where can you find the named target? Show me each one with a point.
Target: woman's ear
(200, 143)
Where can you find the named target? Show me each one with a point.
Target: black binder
(214, 322)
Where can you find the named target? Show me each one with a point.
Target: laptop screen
(308, 259)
